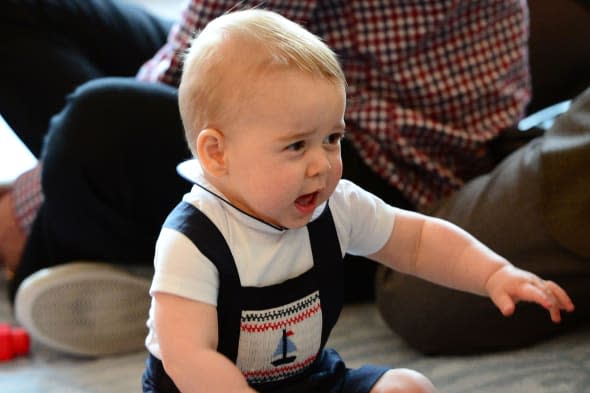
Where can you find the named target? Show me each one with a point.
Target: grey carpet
(559, 366)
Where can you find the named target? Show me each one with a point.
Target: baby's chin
(290, 222)
(293, 219)
(296, 225)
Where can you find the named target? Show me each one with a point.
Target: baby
(248, 280)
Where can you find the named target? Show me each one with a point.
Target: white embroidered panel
(280, 342)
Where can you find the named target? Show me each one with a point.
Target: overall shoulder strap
(327, 256)
(194, 224)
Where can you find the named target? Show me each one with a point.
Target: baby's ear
(211, 152)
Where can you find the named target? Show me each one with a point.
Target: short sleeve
(364, 222)
(181, 269)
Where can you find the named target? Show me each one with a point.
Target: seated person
(252, 255)
(415, 142)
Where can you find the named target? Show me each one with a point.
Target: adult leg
(505, 209)
(51, 47)
(109, 176)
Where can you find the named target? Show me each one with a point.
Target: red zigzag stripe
(260, 327)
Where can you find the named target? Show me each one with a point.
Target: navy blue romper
(275, 334)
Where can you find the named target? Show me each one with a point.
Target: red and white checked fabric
(431, 82)
(27, 197)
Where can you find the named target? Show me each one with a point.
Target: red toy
(14, 341)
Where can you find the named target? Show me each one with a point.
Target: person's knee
(403, 380)
(103, 142)
(116, 101)
(86, 110)
(112, 113)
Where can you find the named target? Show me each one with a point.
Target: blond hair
(234, 49)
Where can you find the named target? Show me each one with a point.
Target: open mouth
(306, 203)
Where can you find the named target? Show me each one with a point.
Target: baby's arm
(187, 333)
(443, 253)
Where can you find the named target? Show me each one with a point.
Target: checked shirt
(430, 82)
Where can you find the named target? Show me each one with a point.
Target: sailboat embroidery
(286, 349)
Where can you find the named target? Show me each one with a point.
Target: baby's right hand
(509, 285)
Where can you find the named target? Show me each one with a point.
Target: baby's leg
(403, 380)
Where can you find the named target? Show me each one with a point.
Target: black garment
(284, 302)
(103, 159)
(48, 48)
(109, 176)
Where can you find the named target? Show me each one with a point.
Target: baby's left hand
(509, 285)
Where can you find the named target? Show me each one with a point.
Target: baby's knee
(403, 380)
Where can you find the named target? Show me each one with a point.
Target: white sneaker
(84, 308)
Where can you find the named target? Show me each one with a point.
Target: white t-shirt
(264, 255)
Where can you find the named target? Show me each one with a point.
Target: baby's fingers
(549, 295)
(563, 300)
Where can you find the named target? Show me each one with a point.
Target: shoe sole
(85, 309)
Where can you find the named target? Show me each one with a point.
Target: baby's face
(284, 149)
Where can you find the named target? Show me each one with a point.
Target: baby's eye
(299, 145)
(334, 139)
